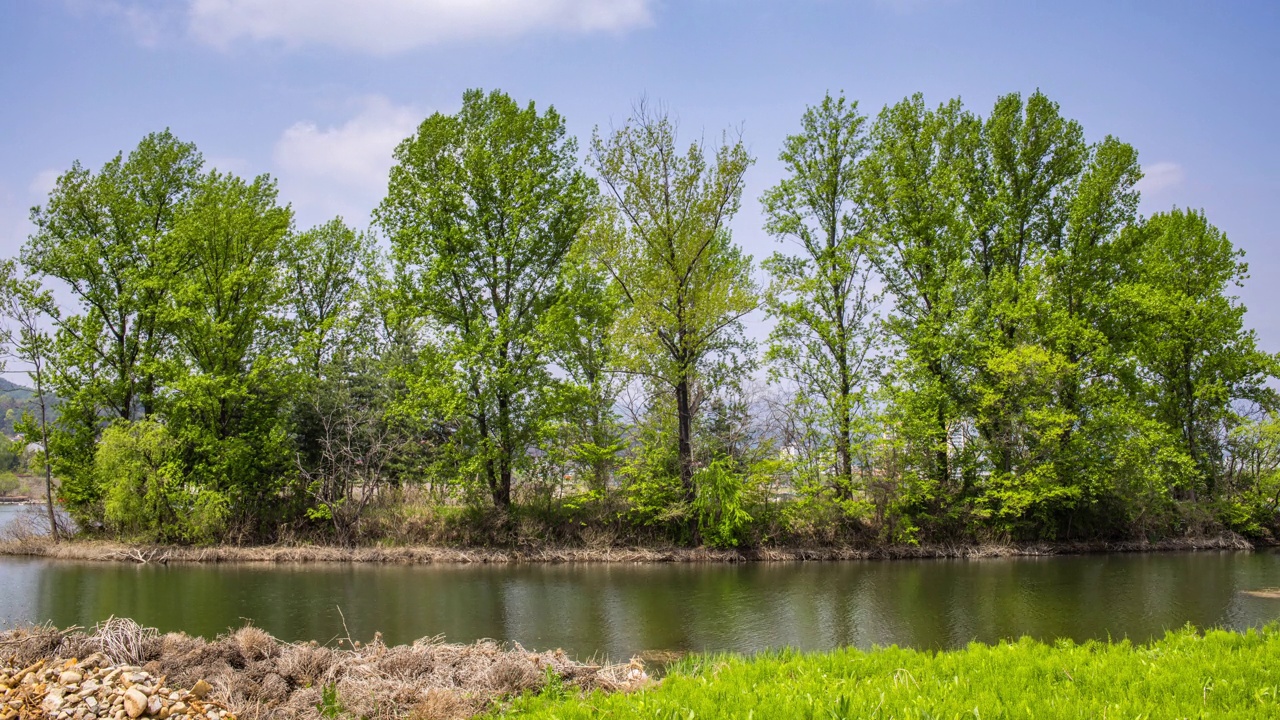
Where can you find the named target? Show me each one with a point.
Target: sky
(318, 92)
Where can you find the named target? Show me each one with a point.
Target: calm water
(619, 610)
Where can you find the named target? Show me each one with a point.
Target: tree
(667, 245)
(1019, 193)
(586, 355)
(26, 305)
(321, 272)
(913, 176)
(106, 235)
(227, 379)
(821, 299)
(1195, 355)
(481, 209)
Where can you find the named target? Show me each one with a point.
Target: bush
(145, 496)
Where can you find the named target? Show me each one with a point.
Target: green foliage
(10, 454)
(1196, 358)
(974, 336)
(821, 300)
(107, 236)
(145, 496)
(330, 706)
(482, 209)
(722, 519)
(230, 383)
(663, 237)
(1185, 674)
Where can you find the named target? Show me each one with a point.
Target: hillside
(14, 399)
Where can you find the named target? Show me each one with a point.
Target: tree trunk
(844, 460)
(502, 491)
(48, 471)
(684, 453)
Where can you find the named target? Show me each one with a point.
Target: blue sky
(317, 92)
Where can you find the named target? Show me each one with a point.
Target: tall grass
(1186, 674)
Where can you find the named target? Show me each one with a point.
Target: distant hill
(14, 399)
(8, 387)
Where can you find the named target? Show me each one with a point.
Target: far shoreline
(110, 551)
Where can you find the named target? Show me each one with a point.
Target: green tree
(666, 244)
(106, 235)
(914, 177)
(26, 305)
(321, 269)
(228, 378)
(586, 355)
(1195, 355)
(822, 299)
(481, 210)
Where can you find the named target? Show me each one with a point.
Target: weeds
(1186, 674)
(329, 706)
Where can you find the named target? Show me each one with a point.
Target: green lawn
(1186, 674)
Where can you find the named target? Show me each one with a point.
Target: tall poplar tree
(914, 178)
(686, 285)
(821, 298)
(481, 210)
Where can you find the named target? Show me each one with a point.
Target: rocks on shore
(94, 689)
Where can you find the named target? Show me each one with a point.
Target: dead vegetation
(254, 675)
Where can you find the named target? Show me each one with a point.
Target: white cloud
(390, 26)
(341, 170)
(1160, 176)
(149, 24)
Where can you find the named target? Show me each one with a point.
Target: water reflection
(619, 610)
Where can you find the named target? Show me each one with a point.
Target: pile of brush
(249, 674)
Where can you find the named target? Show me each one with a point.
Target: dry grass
(256, 676)
(112, 551)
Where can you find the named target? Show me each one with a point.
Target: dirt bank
(112, 551)
(248, 674)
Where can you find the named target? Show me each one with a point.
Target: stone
(200, 689)
(70, 677)
(135, 703)
(153, 704)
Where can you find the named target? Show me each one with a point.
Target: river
(619, 610)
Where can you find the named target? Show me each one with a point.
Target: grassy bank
(1217, 674)
(107, 551)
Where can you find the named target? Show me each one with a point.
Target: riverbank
(1185, 674)
(107, 551)
(121, 669)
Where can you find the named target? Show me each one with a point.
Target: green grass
(1186, 674)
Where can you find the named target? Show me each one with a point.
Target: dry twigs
(249, 674)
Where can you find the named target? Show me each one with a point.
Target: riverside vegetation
(975, 338)
(1186, 674)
